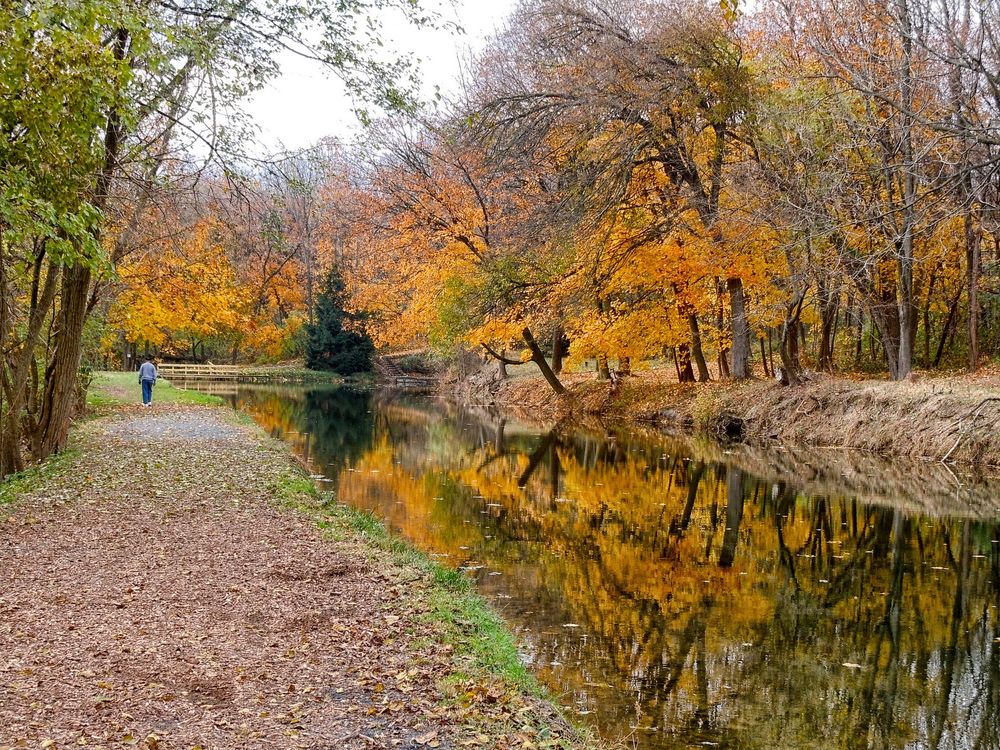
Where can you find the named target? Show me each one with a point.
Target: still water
(687, 595)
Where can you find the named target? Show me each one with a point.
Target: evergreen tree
(330, 346)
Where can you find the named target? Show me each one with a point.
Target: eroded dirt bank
(957, 419)
(159, 591)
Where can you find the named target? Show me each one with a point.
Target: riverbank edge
(940, 419)
(484, 649)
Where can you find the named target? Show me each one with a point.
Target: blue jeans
(147, 391)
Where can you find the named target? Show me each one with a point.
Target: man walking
(147, 379)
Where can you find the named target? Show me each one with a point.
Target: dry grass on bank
(955, 416)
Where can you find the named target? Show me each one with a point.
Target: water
(687, 595)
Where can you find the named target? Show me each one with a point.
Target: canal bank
(955, 419)
(175, 581)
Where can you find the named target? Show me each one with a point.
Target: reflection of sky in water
(685, 594)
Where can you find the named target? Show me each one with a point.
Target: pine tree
(330, 346)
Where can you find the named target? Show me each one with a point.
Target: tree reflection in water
(681, 594)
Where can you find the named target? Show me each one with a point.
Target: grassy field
(116, 388)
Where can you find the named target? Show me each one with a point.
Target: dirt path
(154, 596)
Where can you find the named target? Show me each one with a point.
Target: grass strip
(471, 626)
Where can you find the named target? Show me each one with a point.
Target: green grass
(471, 626)
(35, 476)
(116, 388)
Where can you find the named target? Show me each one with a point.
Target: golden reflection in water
(665, 592)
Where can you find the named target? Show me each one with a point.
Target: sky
(304, 104)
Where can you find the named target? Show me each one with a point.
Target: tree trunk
(927, 315)
(740, 328)
(682, 356)
(722, 357)
(61, 374)
(972, 250)
(23, 366)
(603, 370)
(907, 310)
(829, 302)
(696, 350)
(539, 359)
(558, 350)
(788, 351)
(948, 321)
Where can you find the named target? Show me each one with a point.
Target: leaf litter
(155, 597)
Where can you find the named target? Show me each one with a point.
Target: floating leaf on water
(570, 625)
(851, 665)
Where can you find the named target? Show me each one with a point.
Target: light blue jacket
(147, 371)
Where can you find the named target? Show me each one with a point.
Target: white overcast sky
(304, 104)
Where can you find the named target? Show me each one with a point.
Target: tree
(331, 346)
(96, 98)
(628, 92)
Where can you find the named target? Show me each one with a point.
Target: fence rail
(388, 372)
(203, 372)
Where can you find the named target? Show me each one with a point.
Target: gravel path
(153, 596)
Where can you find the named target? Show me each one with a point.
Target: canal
(682, 593)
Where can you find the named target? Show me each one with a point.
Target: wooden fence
(199, 372)
(181, 373)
